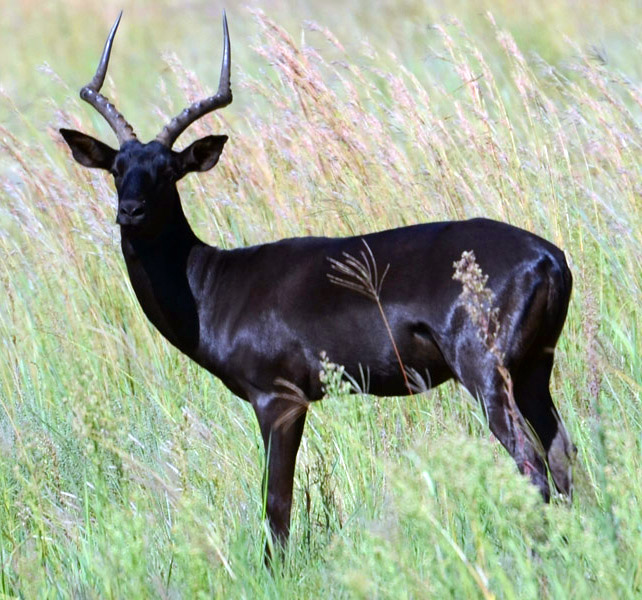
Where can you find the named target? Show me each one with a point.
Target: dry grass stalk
(362, 276)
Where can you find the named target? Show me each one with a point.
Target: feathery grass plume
(335, 381)
(359, 276)
(478, 301)
(362, 276)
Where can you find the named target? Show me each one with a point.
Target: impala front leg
(281, 421)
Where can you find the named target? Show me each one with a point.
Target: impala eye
(117, 169)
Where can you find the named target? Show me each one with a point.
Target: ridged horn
(223, 97)
(91, 94)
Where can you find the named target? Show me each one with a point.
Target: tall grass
(129, 472)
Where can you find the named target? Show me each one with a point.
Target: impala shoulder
(204, 263)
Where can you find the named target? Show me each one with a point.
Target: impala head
(146, 174)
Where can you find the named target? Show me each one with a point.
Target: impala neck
(159, 270)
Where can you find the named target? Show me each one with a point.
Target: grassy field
(128, 472)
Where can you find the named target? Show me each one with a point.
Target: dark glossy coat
(256, 317)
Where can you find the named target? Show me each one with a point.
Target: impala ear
(88, 151)
(202, 154)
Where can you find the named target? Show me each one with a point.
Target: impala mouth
(129, 221)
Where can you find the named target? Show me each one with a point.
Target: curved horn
(223, 97)
(91, 93)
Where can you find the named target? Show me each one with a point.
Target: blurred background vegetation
(129, 472)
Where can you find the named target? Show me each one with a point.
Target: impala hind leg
(486, 383)
(533, 397)
(507, 428)
(281, 425)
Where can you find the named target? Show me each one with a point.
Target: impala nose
(130, 212)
